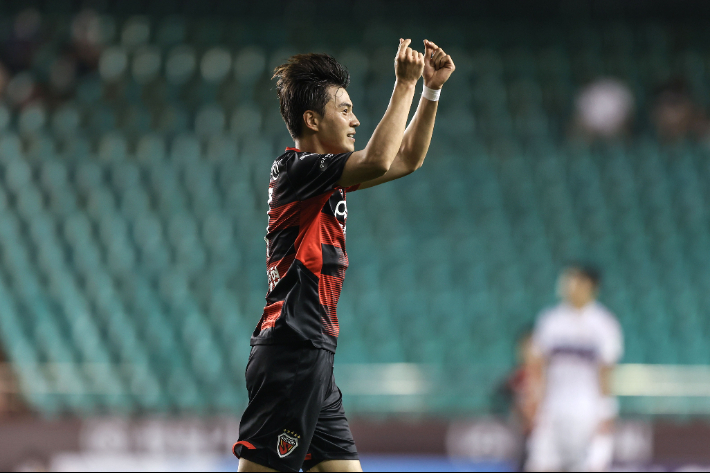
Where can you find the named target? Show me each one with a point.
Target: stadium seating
(132, 216)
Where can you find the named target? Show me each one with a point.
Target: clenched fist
(409, 64)
(439, 66)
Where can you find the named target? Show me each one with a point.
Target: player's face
(336, 131)
(575, 288)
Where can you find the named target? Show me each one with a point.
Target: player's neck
(581, 304)
(310, 144)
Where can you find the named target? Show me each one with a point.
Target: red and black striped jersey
(305, 258)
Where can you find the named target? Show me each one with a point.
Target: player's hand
(409, 64)
(438, 66)
(606, 427)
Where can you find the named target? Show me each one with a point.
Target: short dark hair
(302, 85)
(588, 271)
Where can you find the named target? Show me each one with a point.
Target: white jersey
(576, 344)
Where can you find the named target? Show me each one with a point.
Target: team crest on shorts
(287, 444)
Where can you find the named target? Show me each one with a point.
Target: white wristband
(431, 94)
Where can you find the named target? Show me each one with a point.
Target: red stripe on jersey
(308, 241)
(272, 313)
(283, 217)
(331, 231)
(330, 288)
(283, 265)
(330, 322)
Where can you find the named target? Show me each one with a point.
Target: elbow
(379, 169)
(414, 168)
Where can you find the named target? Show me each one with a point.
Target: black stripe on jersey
(334, 261)
(282, 243)
(585, 353)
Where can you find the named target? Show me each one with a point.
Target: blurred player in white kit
(576, 345)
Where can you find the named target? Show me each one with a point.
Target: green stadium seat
(216, 64)
(112, 147)
(185, 148)
(113, 65)
(180, 64)
(210, 121)
(32, 119)
(136, 32)
(171, 31)
(150, 148)
(135, 203)
(249, 66)
(221, 148)
(146, 64)
(5, 118)
(66, 120)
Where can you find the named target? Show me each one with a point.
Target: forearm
(417, 137)
(386, 141)
(606, 374)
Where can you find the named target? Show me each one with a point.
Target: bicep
(358, 170)
(396, 171)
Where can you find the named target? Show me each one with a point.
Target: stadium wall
(70, 444)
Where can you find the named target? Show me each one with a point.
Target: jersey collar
(294, 149)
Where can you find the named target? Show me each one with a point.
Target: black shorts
(295, 418)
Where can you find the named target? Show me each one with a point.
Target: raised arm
(438, 68)
(377, 157)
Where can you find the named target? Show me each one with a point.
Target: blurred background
(136, 139)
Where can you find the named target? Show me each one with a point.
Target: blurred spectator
(675, 115)
(604, 110)
(79, 57)
(25, 38)
(4, 80)
(524, 399)
(86, 41)
(516, 396)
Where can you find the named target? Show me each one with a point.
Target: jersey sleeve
(313, 174)
(542, 342)
(612, 343)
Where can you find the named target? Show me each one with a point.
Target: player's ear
(312, 120)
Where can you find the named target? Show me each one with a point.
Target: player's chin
(349, 146)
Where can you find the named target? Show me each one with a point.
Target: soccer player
(295, 417)
(578, 343)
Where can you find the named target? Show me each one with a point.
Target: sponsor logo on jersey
(322, 161)
(286, 444)
(274, 277)
(275, 170)
(341, 212)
